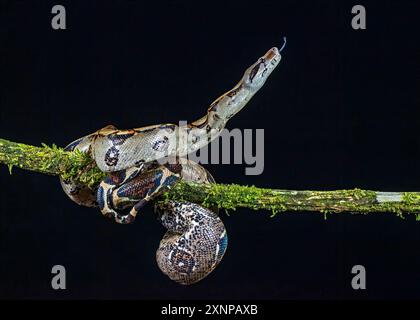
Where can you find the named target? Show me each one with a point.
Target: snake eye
(258, 69)
(254, 72)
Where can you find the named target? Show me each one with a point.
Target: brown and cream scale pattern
(196, 238)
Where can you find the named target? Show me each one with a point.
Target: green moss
(411, 198)
(77, 166)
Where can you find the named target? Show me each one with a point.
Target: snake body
(194, 244)
(196, 239)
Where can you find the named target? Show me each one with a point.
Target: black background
(341, 111)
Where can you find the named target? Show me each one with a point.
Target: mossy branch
(80, 167)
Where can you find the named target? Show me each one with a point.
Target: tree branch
(80, 167)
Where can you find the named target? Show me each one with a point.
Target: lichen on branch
(80, 167)
(52, 160)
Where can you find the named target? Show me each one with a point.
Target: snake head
(256, 74)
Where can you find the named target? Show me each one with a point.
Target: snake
(196, 239)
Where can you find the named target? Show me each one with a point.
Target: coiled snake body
(196, 239)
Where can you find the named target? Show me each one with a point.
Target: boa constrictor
(196, 239)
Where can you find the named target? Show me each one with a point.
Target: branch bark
(80, 167)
